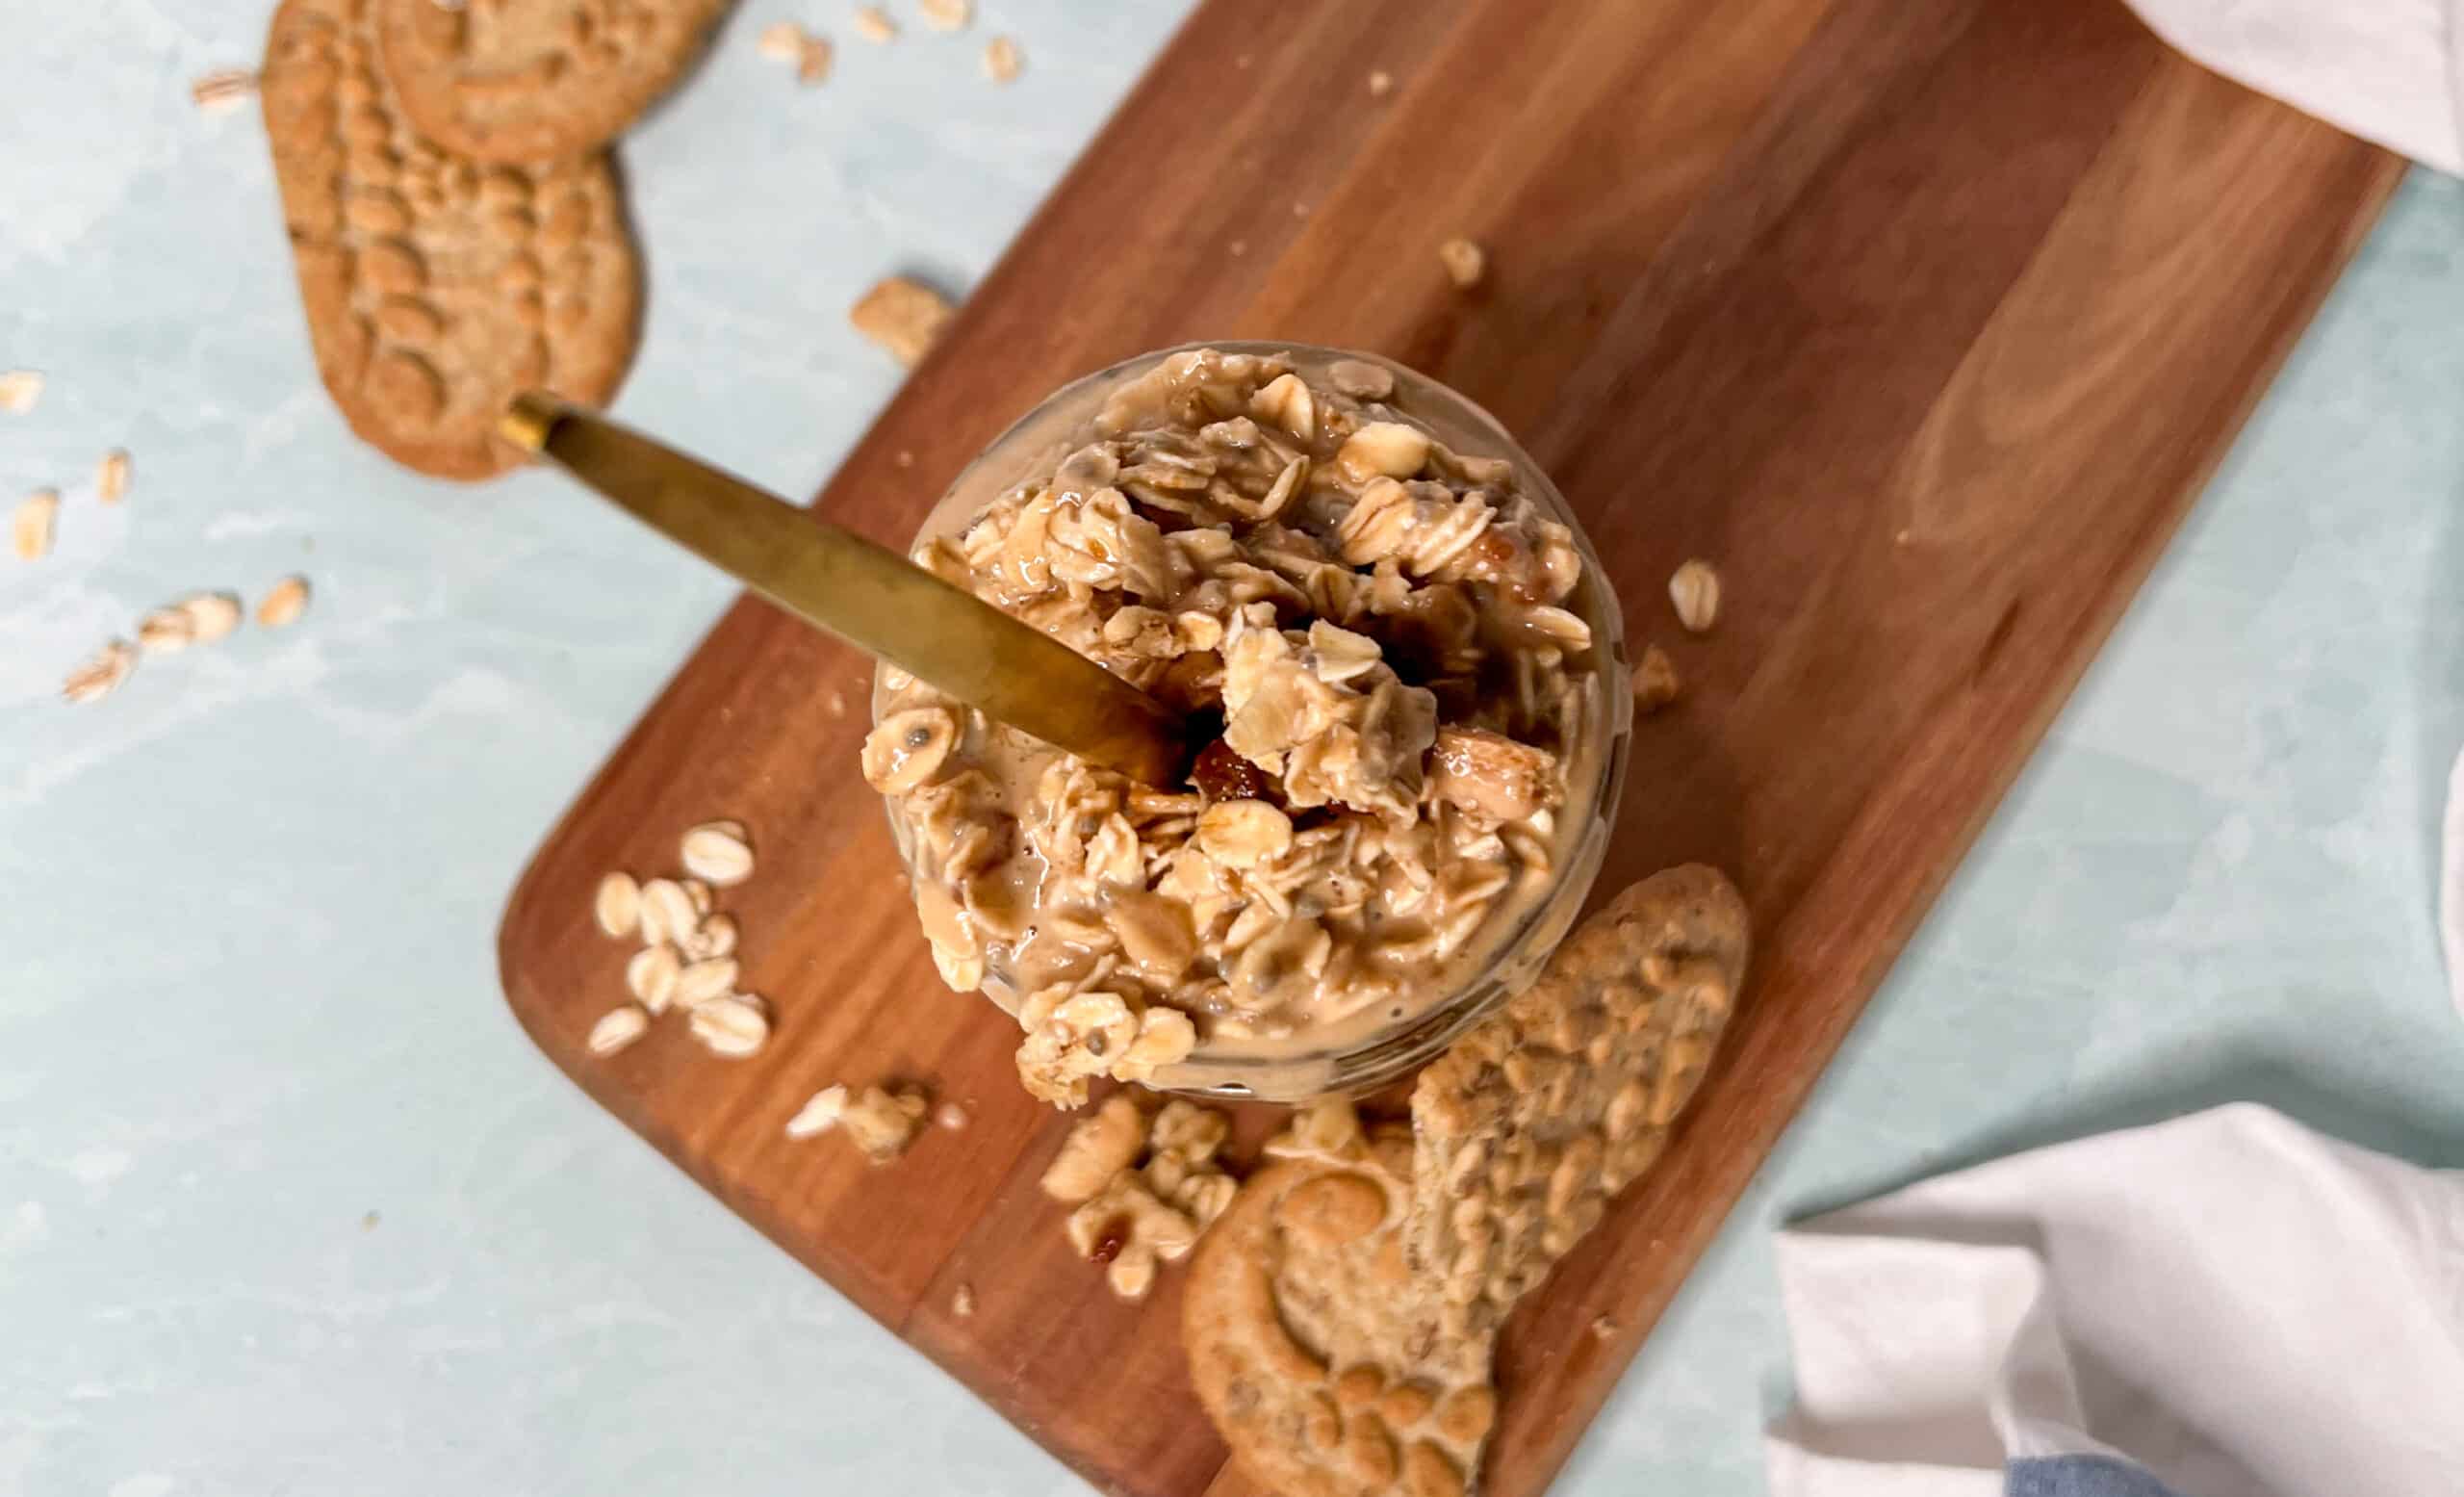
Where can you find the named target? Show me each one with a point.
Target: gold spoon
(871, 597)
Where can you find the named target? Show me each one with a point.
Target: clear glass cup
(1369, 1050)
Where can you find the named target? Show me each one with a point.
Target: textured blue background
(248, 994)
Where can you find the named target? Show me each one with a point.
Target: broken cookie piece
(1315, 1346)
(1526, 1126)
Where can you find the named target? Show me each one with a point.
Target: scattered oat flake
(668, 913)
(962, 1302)
(1465, 261)
(19, 390)
(703, 982)
(651, 976)
(812, 61)
(716, 852)
(166, 630)
(224, 88)
(110, 477)
(1381, 83)
(368, 1223)
(947, 15)
(873, 24)
(715, 938)
(212, 616)
(617, 1029)
(1002, 60)
(97, 678)
(1694, 590)
(781, 41)
(950, 1116)
(283, 604)
(732, 1026)
(819, 1113)
(31, 528)
(618, 905)
(902, 316)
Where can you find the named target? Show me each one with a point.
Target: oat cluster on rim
(1380, 626)
(687, 960)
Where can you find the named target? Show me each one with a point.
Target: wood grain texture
(1925, 319)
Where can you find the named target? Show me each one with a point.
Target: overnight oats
(1401, 666)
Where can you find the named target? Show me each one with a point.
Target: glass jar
(1371, 1048)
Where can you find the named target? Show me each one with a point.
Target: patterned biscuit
(535, 80)
(1526, 1126)
(1315, 1348)
(435, 288)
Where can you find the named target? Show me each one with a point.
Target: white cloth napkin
(2450, 889)
(2228, 1302)
(2391, 71)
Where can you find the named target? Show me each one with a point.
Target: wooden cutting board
(1925, 319)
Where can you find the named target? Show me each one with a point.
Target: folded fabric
(2224, 1305)
(2391, 71)
(2450, 887)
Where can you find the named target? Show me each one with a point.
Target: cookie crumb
(949, 1116)
(1465, 261)
(222, 89)
(19, 390)
(873, 24)
(1656, 683)
(902, 316)
(1381, 83)
(1694, 590)
(947, 15)
(962, 1302)
(882, 1124)
(1002, 61)
(1602, 1327)
(903, 459)
(1239, 247)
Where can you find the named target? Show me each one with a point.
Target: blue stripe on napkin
(2081, 1476)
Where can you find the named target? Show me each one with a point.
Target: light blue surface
(248, 902)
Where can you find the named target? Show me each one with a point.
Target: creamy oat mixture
(1373, 630)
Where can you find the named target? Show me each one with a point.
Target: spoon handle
(866, 594)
